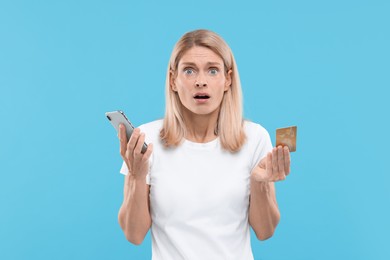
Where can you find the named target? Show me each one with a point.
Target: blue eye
(213, 71)
(189, 71)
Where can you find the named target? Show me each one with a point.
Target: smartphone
(287, 136)
(118, 117)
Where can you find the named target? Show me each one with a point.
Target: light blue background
(321, 65)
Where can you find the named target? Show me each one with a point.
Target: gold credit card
(287, 136)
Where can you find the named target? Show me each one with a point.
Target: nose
(200, 81)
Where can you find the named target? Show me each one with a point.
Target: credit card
(287, 136)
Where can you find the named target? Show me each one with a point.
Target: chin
(205, 111)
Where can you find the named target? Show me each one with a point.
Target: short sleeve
(125, 171)
(263, 144)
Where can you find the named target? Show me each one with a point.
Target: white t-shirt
(199, 196)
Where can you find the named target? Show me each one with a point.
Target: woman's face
(201, 81)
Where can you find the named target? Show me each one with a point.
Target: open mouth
(201, 96)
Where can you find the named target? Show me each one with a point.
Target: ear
(228, 82)
(172, 81)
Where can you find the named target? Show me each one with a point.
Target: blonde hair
(229, 127)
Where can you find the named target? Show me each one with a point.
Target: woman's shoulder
(152, 130)
(155, 125)
(258, 138)
(254, 129)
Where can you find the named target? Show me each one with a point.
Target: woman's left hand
(274, 167)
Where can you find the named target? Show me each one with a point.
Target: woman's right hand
(137, 162)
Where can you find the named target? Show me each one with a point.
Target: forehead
(200, 55)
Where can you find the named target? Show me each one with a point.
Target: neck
(200, 128)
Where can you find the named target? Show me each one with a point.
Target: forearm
(134, 215)
(263, 209)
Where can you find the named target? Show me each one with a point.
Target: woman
(207, 173)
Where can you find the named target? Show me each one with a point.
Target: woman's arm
(134, 216)
(264, 213)
(263, 209)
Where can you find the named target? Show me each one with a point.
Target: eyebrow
(194, 65)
